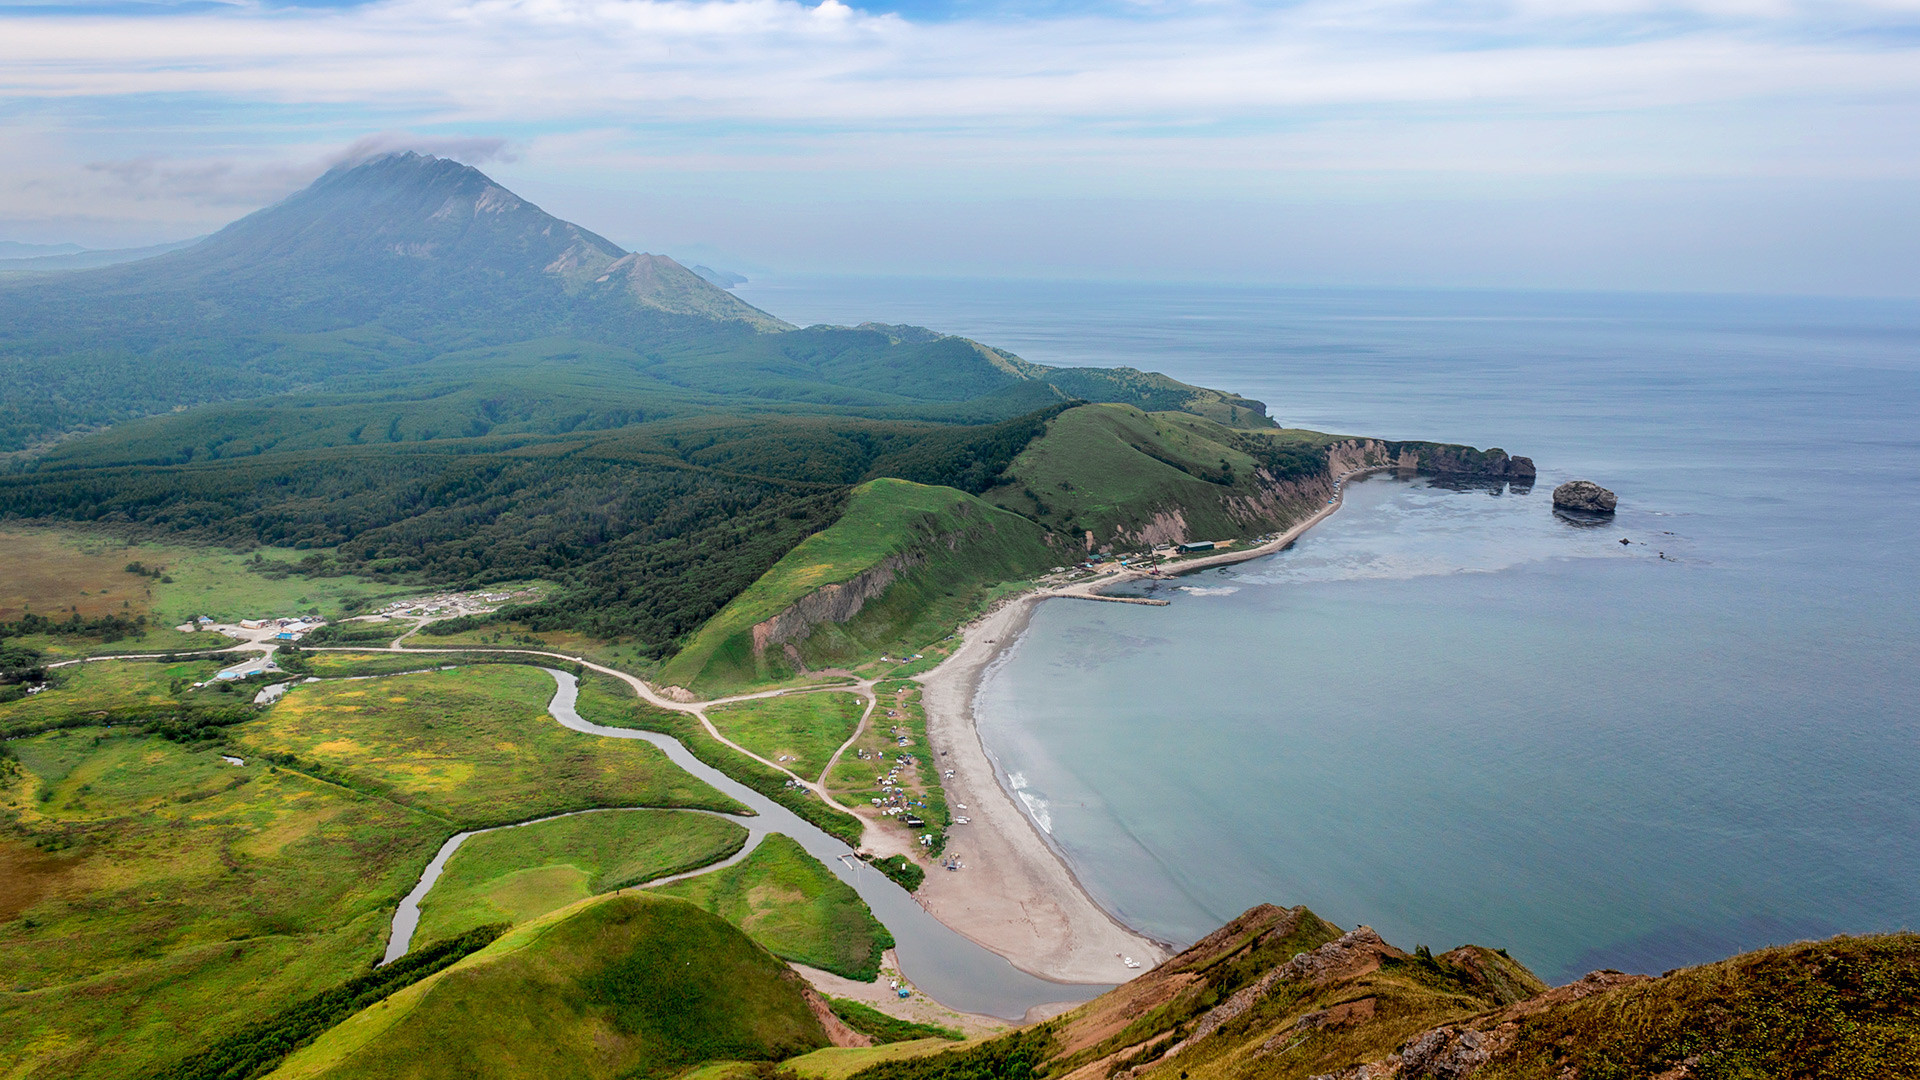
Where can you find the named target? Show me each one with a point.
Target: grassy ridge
(626, 986)
(517, 875)
(472, 746)
(1846, 1009)
(950, 548)
(261, 1045)
(784, 899)
(1244, 1003)
(1109, 469)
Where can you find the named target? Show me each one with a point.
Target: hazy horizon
(1706, 145)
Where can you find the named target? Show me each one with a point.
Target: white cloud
(180, 117)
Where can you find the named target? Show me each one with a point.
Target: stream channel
(938, 961)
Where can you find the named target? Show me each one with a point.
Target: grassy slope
(838, 1062)
(1845, 1009)
(473, 746)
(794, 906)
(604, 700)
(626, 986)
(883, 518)
(104, 691)
(517, 875)
(801, 731)
(1105, 468)
(194, 895)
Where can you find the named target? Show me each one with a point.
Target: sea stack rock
(1584, 495)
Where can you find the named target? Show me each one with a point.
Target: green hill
(904, 564)
(786, 900)
(625, 986)
(1133, 478)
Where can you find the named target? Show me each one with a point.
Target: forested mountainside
(417, 277)
(419, 375)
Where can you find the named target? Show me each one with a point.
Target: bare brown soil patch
(52, 573)
(27, 874)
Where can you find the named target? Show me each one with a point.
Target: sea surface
(1446, 712)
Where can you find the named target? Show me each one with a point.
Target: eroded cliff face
(1272, 504)
(1435, 459)
(834, 603)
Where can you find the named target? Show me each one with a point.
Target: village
(265, 634)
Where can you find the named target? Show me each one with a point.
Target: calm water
(1452, 716)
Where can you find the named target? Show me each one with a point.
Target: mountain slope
(1278, 994)
(372, 275)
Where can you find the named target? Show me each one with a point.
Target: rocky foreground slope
(1281, 993)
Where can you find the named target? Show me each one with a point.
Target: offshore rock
(1584, 495)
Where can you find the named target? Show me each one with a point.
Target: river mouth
(936, 960)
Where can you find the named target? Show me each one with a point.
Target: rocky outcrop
(1585, 496)
(1441, 459)
(1435, 459)
(1456, 1051)
(1354, 953)
(832, 603)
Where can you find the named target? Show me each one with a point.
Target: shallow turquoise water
(1449, 714)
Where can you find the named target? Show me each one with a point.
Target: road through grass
(799, 731)
(473, 746)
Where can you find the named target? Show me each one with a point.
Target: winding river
(941, 963)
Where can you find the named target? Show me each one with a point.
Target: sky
(1660, 145)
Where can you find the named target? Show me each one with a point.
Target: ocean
(1446, 712)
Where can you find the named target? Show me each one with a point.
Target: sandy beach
(1016, 896)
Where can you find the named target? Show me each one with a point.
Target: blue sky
(1763, 145)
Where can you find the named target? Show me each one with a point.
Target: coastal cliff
(909, 562)
(1432, 459)
(904, 564)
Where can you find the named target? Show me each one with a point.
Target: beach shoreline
(1017, 895)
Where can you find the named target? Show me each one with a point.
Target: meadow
(786, 900)
(112, 692)
(473, 746)
(799, 731)
(605, 700)
(351, 665)
(517, 875)
(54, 570)
(195, 894)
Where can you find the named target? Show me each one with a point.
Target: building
(1197, 545)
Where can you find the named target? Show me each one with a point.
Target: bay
(1446, 712)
